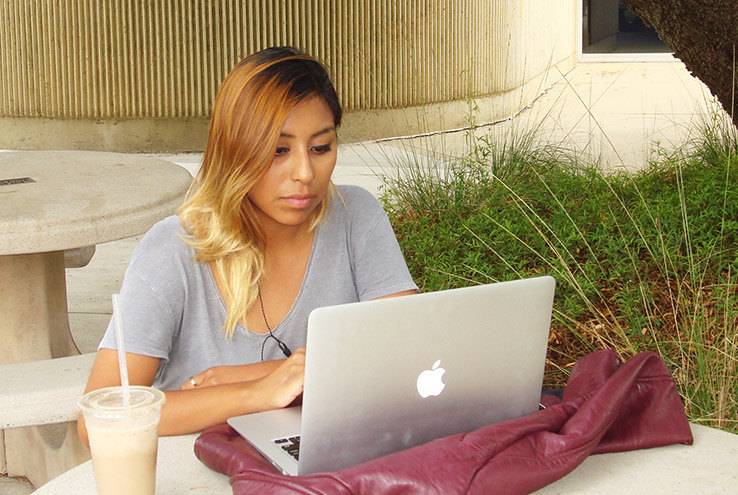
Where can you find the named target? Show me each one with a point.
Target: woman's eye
(281, 151)
(325, 148)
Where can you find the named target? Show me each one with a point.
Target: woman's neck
(283, 238)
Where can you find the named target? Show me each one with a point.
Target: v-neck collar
(291, 312)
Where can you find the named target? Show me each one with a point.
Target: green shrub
(644, 261)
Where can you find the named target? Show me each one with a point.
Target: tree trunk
(703, 35)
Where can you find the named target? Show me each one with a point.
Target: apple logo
(430, 382)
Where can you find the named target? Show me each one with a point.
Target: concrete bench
(42, 392)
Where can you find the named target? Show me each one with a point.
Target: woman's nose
(302, 168)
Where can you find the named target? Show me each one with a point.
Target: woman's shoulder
(163, 241)
(166, 231)
(353, 194)
(356, 201)
(166, 227)
(355, 211)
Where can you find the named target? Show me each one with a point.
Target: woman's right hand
(283, 385)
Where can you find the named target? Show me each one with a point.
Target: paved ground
(616, 111)
(14, 486)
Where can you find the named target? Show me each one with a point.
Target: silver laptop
(385, 375)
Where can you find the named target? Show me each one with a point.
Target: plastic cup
(123, 440)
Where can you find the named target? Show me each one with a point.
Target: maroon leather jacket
(607, 406)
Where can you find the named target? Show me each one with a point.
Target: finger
(297, 356)
(190, 383)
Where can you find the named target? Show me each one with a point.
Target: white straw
(121, 352)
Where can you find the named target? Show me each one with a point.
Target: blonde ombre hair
(250, 109)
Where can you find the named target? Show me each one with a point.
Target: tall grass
(643, 261)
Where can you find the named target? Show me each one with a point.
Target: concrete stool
(42, 392)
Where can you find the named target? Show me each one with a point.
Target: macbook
(389, 374)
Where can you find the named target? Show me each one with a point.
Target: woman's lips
(298, 201)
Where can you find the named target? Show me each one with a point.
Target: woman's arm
(398, 294)
(189, 411)
(220, 375)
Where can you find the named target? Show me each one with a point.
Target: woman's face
(297, 181)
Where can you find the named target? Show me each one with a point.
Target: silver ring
(193, 382)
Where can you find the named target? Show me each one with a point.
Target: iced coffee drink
(123, 439)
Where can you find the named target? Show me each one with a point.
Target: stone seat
(42, 392)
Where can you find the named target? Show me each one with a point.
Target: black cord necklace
(282, 346)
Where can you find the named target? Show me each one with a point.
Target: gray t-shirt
(171, 308)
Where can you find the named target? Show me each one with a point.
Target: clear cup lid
(111, 399)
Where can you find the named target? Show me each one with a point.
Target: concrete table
(709, 466)
(52, 201)
(178, 471)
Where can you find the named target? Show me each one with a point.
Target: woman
(215, 301)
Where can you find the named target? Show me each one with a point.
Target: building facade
(141, 75)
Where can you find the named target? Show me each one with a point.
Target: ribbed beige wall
(141, 74)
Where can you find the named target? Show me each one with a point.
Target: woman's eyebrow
(319, 133)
